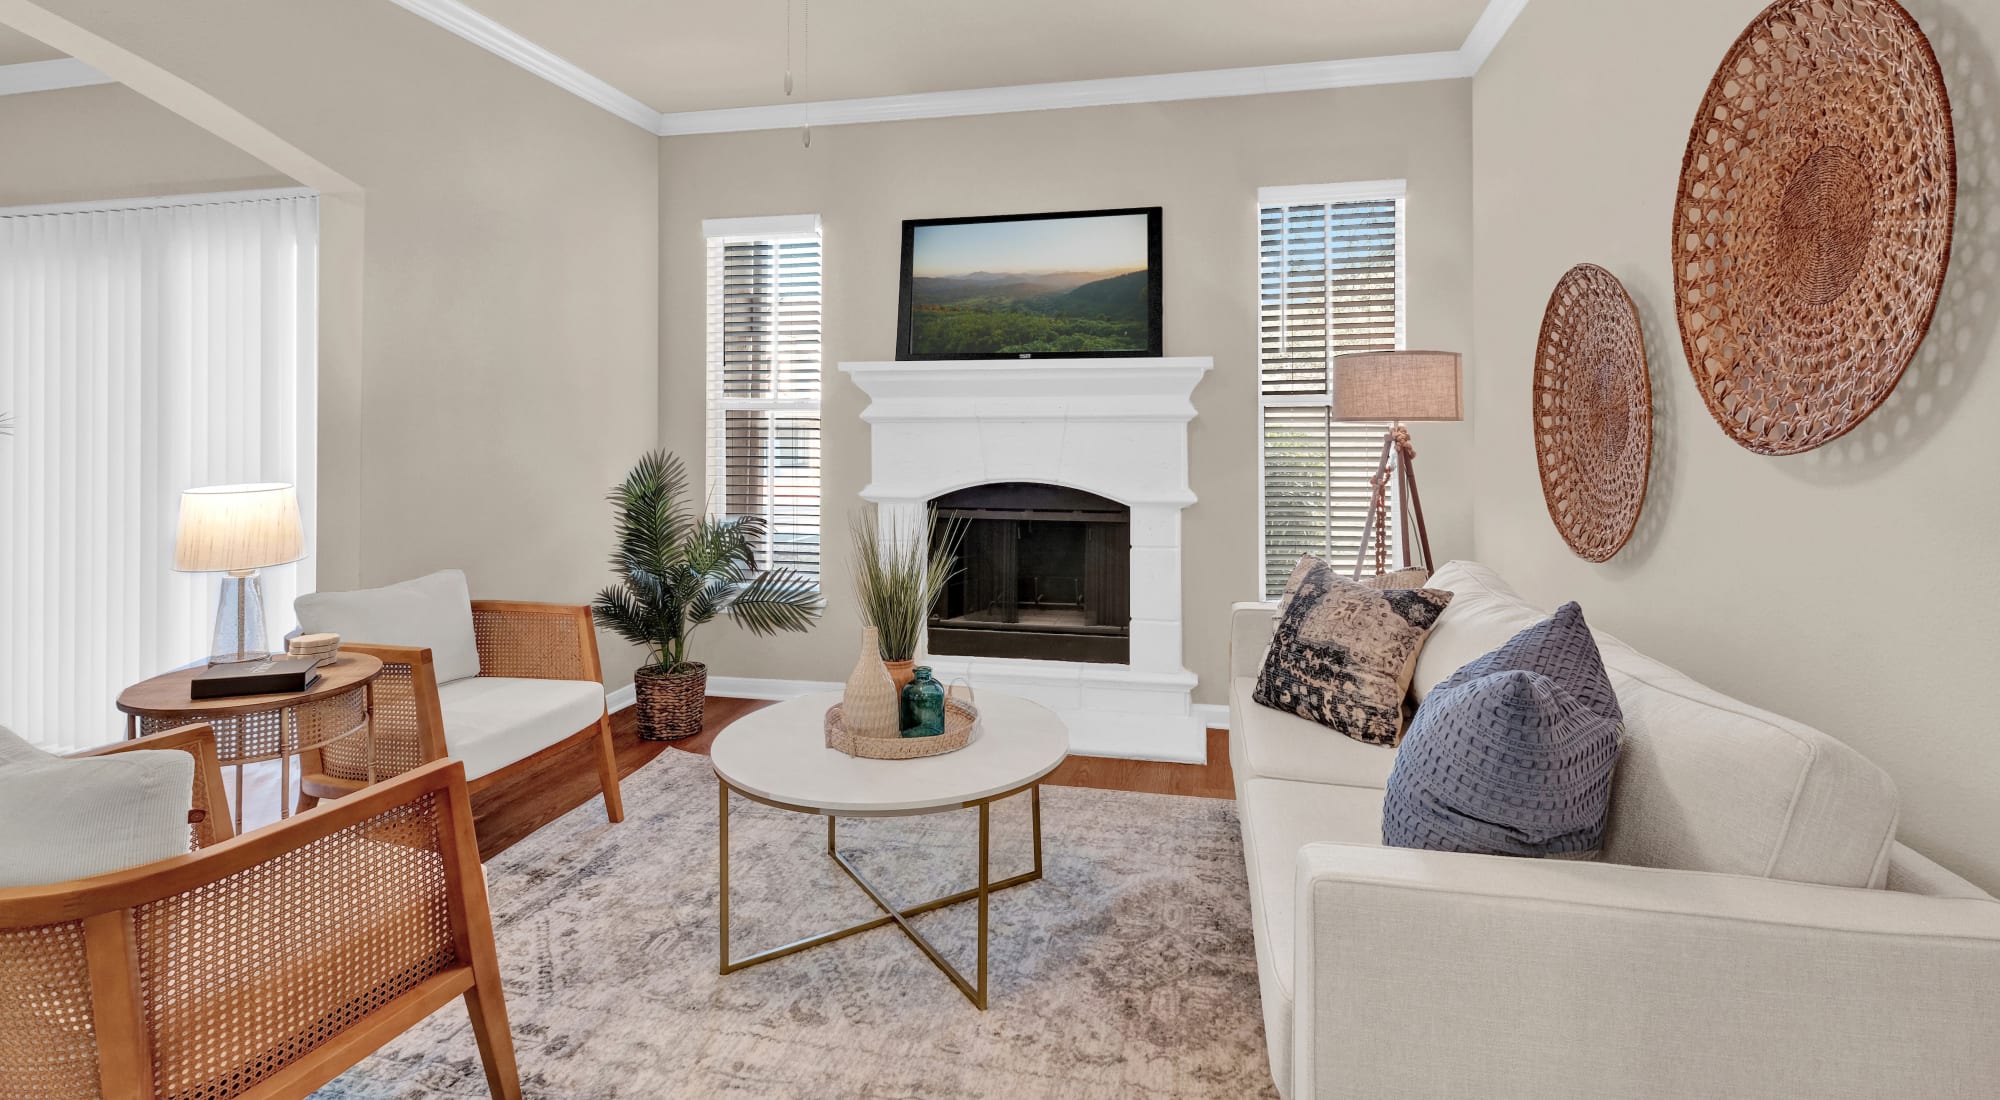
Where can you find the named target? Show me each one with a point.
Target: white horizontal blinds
(144, 349)
(1330, 283)
(764, 364)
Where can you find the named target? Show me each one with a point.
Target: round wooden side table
(250, 729)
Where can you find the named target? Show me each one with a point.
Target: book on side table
(271, 676)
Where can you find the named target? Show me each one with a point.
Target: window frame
(775, 230)
(1323, 194)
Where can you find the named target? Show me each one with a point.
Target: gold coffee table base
(974, 989)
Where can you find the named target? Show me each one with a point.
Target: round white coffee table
(778, 756)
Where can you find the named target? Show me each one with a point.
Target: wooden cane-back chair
(258, 966)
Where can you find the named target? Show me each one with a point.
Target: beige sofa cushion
(1484, 613)
(1704, 782)
(1278, 818)
(1271, 744)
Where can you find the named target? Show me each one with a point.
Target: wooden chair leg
(496, 1043)
(607, 771)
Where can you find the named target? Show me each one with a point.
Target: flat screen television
(1081, 284)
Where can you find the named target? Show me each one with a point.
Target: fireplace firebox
(1044, 572)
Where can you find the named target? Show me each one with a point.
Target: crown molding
(48, 76)
(504, 43)
(1459, 64)
(1486, 34)
(1112, 91)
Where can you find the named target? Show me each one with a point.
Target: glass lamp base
(239, 621)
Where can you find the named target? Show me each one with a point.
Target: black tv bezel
(1155, 342)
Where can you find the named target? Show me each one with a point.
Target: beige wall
(1846, 587)
(1202, 161)
(507, 364)
(109, 142)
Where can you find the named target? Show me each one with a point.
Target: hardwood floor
(507, 813)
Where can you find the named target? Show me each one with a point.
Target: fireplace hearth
(1044, 573)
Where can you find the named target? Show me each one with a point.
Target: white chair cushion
(1271, 744)
(1278, 817)
(433, 613)
(493, 721)
(63, 819)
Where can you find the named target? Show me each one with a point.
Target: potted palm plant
(678, 569)
(897, 580)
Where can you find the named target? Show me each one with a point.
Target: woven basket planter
(670, 702)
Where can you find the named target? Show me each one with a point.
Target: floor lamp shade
(1404, 386)
(238, 529)
(1397, 387)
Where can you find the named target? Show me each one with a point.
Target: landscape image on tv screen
(1046, 285)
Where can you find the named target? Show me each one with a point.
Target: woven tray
(960, 721)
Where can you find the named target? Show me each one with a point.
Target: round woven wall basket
(1814, 220)
(1593, 412)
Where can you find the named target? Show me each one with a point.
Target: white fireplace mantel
(1114, 427)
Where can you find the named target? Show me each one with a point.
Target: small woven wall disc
(1593, 412)
(1814, 221)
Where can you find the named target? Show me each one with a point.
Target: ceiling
(690, 55)
(16, 48)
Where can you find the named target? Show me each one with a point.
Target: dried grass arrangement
(898, 574)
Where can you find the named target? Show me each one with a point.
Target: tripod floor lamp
(1400, 387)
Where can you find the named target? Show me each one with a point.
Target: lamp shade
(234, 528)
(1398, 385)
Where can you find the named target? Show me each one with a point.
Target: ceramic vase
(901, 673)
(869, 706)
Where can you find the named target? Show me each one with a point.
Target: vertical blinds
(145, 348)
(764, 391)
(1330, 283)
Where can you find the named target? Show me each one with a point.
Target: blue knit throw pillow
(1559, 647)
(1506, 764)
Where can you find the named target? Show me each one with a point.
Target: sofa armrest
(1250, 629)
(537, 641)
(1424, 974)
(209, 812)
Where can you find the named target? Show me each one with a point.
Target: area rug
(1127, 971)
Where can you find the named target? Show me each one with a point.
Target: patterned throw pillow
(1559, 647)
(1413, 577)
(1342, 654)
(1505, 764)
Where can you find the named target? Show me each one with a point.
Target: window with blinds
(764, 278)
(1330, 282)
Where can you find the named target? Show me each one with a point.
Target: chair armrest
(1250, 628)
(406, 722)
(537, 641)
(210, 813)
(1423, 974)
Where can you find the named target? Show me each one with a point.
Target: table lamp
(1400, 387)
(238, 529)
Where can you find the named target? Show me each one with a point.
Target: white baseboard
(618, 699)
(1211, 716)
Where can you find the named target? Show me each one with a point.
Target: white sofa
(1755, 929)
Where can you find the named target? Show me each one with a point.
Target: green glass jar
(923, 706)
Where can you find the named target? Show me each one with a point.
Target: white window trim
(774, 228)
(1307, 194)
